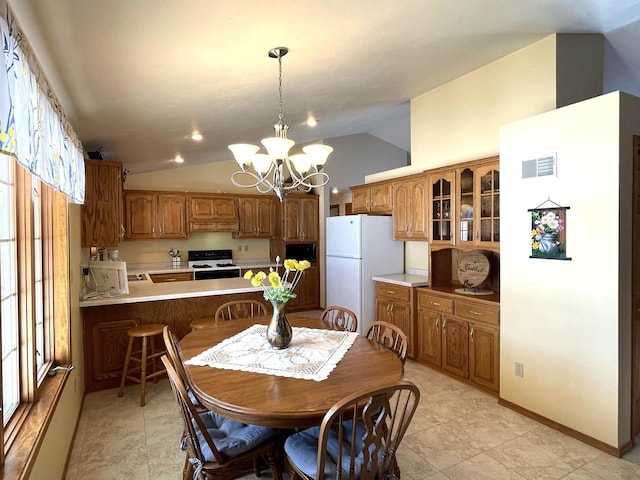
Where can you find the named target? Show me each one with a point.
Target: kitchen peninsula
(177, 304)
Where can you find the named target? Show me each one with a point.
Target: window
(8, 291)
(33, 291)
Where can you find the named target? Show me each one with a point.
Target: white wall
(568, 322)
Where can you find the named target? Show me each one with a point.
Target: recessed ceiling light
(196, 136)
(334, 190)
(311, 122)
(178, 159)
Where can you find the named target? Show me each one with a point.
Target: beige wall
(57, 443)
(211, 177)
(568, 322)
(157, 251)
(460, 120)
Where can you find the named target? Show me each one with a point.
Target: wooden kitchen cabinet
(372, 198)
(455, 348)
(152, 215)
(394, 304)
(212, 213)
(307, 291)
(410, 209)
(442, 207)
(105, 330)
(300, 219)
(429, 326)
(461, 336)
(102, 224)
(479, 205)
(484, 356)
(257, 217)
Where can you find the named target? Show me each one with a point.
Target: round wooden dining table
(283, 402)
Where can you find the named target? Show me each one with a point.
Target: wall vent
(539, 167)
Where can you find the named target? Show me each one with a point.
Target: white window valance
(33, 127)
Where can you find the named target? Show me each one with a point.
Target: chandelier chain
(280, 116)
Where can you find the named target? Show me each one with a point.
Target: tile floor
(457, 433)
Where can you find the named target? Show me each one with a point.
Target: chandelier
(277, 170)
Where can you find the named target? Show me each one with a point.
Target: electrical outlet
(246, 248)
(239, 248)
(519, 369)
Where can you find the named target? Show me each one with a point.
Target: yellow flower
(274, 280)
(303, 265)
(248, 275)
(258, 278)
(291, 264)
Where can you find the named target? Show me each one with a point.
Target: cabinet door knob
(444, 325)
(437, 304)
(473, 312)
(471, 333)
(437, 322)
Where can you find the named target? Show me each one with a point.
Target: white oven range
(209, 264)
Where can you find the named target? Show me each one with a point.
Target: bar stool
(145, 332)
(202, 322)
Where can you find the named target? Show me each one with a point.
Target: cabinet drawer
(435, 302)
(477, 312)
(214, 226)
(171, 277)
(395, 292)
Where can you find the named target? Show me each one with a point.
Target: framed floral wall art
(549, 232)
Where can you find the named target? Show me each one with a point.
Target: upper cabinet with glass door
(442, 207)
(479, 205)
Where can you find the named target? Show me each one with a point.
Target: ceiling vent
(539, 167)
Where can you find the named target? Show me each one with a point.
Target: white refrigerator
(358, 248)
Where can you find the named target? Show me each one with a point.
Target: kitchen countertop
(404, 279)
(147, 291)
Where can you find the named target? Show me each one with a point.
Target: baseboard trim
(615, 451)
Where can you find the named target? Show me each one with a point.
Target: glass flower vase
(279, 330)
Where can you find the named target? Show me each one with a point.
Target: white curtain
(33, 127)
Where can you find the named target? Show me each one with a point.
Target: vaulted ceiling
(137, 77)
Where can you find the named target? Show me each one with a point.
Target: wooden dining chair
(340, 318)
(240, 309)
(390, 336)
(174, 353)
(361, 441)
(218, 447)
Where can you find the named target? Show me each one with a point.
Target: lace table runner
(312, 354)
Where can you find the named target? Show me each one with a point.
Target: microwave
(301, 251)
